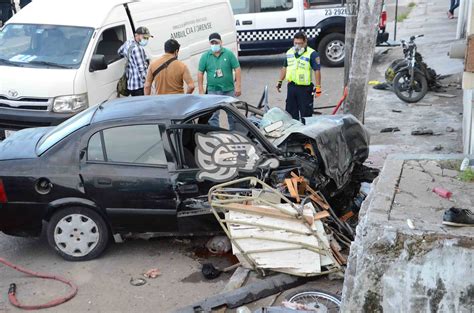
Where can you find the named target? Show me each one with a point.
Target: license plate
(8, 133)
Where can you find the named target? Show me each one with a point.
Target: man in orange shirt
(169, 74)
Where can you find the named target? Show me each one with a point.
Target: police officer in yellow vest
(299, 65)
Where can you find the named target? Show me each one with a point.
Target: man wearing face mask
(137, 66)
(168, 73)
(220, 65)
(301, 61)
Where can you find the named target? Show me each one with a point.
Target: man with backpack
(137, 63)
(169, 74)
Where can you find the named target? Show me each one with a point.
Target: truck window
(275, 5)
(242, 6)
(109, 42)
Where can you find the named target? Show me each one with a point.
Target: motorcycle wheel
(407, 93)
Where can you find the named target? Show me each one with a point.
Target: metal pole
(396, 21)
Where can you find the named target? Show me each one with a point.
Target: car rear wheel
(332, 50)
(78, 234)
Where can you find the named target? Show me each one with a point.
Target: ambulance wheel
(331, 50)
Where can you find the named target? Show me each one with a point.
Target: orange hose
(12, 291)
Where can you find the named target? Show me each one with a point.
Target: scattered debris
(438, 148)
(422, 104)
(383, 86)
(443, 193)
(296, 306)
(397, 111)
(450, 129)
(269, 232)
(422, 132)
(137, 282)
(238, 279)
(252, 292)
(209, 271)
(410, 224)
(153, 273)
(219, 245)
(390, 130)
(445, 95)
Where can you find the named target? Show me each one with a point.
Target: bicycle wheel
(319, 301)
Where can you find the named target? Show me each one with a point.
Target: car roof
(163, 107)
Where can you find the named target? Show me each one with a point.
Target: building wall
(468, 86)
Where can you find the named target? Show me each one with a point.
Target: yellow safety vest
(298, 70)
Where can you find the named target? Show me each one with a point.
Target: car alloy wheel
(76, 235)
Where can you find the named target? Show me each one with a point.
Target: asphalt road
(261, 71)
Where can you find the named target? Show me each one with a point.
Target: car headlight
(70, 104)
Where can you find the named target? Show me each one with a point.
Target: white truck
(58, 57)
(268, 26)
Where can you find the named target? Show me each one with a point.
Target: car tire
(78, 234)
(331, 50)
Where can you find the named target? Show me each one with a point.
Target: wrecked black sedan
(146, 164)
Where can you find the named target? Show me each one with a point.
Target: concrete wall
(426, 267)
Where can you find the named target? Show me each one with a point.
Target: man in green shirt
(219, 64)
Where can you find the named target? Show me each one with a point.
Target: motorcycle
(411, 77)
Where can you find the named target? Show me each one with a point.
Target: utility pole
(362, 57)
(352, 7)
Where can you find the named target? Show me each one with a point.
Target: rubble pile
(290, 229)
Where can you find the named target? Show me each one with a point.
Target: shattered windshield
(44, 46)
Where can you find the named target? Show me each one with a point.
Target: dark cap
(143, 31)
(215, 36)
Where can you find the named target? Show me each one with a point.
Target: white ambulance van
(58, 57)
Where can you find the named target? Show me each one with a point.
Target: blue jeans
(454, 6)
(214, 120)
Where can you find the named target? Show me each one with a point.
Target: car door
(102, 84)
(277, 21)
(125, 171)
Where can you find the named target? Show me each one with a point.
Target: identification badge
(219, 73)
(302, 77)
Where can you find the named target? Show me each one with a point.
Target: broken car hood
(342, 140)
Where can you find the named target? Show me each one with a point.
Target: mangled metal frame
(223, 198)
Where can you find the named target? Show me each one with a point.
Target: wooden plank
(292, 189)
(321, 215)
(261, 210)
(238, 279)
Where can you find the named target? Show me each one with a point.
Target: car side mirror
(98, 63)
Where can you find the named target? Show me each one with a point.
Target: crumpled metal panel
(342, 140)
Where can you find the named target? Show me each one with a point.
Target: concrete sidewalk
(441, 114)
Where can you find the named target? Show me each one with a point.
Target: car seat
(109, 46)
